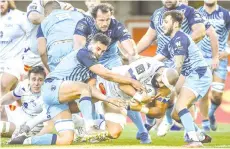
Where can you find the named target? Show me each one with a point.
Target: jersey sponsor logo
(53, 88)
(178, 44)
(140, 69)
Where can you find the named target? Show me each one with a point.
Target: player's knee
(216, 97)
(65, 139)
(115, 133)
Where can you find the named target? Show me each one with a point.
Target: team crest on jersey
(221, 15)
(109, 33)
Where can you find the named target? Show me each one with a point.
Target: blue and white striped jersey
(220, 20)
(75, 66)
(191, 17)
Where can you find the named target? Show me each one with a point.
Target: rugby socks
(150, 121)
(206, 125)
(187, 121)
(86, 108)
(4, 127)
(46, 139)
(168, 117)
(137, 120)
(212, 109)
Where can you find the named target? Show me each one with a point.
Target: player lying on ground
(66, 84)
(28, 92)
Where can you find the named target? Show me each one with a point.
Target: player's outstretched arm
(8, 99)
(146, 40)
(111, 76)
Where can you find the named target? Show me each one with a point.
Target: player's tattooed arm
(179, 60)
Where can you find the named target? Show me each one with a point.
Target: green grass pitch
(221, 139)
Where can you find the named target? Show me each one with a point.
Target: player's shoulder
(84, 52)
(17, 13)
(223, 11)
(23, 85)
(158, 11)
(187, 10)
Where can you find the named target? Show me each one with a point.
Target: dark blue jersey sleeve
(227, 20)
(152, 22)
(193, 16)
(86, 58)
(181, 44)
(165, 52)
(121, 33)
(39, 32)
(82, 28)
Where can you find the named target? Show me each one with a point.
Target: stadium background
(135, 15)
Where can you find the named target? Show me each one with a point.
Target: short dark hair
(176, 15)
(53, 4)
(37, 69)
(105, 40)
(104, 7)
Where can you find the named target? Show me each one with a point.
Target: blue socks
(168, 117)
(86, 108)
(137, 120)
(187, 120)
(46, 139)
(212, 109)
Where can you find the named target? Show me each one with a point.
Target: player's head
(172, 20)
(185, 2)
(165, 79)
(91, 4)
(210, 3)
(5, 5)
(36, 78)
(50, 6)
(170, 4)
(99, 44)
(102, 14)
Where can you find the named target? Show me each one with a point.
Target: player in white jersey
(14, 30)
(156, 78)
(28, 92)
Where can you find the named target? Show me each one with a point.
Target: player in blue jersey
(68, 83)
(190, 63)
(102, 21)
(193, 24)
(219, 18)
(55, 34)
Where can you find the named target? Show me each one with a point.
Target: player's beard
(169, 31)
(171, 6)
(210, 4)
